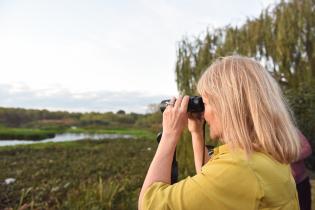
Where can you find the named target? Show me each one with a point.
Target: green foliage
(25, 134)
(302, 102)
(94, 119)
(109, 119)
(120, 112)
(96, 196)
(282, 38)
(137, 133)
(152, 122)
(61, 121)
(75, 175)
(185, 156)
(15, 117)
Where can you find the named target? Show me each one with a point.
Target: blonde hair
(251, 108)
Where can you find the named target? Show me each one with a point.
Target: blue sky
(101, 55)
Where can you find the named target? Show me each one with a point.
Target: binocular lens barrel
(195, 104)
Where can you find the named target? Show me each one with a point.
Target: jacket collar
(221, 149)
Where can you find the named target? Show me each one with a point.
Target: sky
(108, 55)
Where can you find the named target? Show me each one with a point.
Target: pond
(68, 137)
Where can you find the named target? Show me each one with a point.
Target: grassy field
(25, 133)
(139, 133)
(104, 174)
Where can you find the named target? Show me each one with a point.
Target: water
(68, 137)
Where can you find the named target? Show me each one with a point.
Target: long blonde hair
(251, 108)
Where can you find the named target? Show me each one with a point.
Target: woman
(245, 111)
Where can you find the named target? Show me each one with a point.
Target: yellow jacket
(229, 181)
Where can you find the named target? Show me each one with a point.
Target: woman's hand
(195, 123)
(175, 118)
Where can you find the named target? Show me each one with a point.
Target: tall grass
(99, 195)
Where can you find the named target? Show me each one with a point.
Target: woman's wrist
(171, 134)
(197, 135)
(170, 137)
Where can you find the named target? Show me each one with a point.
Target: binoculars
(195, 104)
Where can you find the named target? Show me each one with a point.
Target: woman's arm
(199, 150)
(195, 127)
(174, 121)
(160, 168)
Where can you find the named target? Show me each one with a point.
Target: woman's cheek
(209, 116)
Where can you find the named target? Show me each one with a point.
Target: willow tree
(282, 38)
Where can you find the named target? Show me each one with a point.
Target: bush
(302, 103)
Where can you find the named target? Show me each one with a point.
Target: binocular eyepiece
(195, 104)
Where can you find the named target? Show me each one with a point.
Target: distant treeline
(44, 119)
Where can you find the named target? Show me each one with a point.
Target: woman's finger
(184, 104)
(178, 103)
(171, 103)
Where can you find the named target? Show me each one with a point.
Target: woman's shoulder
(258, 164)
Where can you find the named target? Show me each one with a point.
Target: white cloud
(63, 99)
(104, 46)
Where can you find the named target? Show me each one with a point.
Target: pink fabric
(298, 167)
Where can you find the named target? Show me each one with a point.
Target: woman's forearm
(199, 151)
(160, 167)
